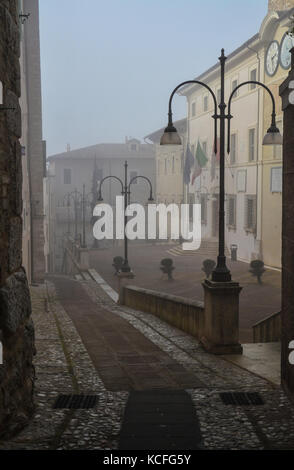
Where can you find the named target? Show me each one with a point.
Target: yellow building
(253, 171)
(276, 64)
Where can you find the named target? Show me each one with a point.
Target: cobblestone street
(65, 364)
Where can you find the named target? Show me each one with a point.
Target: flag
(200, 162)
(189, 162)
(215, 157)
(200, 155)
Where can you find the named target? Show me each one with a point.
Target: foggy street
(147, 231)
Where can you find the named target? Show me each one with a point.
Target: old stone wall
(279, 5)
(287, 367)
(183, 313)
(16, 328)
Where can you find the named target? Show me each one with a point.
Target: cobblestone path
(124, 358)
(63, 365)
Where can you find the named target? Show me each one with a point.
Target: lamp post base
(221, 273)
(221, 321)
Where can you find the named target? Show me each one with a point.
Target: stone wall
(16, 328)
(278, 5)
(287, 369)
(185, 314)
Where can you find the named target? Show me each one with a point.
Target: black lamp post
(126, 192)
(170, 137)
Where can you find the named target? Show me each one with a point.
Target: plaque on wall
(276, 179)
(241, 181)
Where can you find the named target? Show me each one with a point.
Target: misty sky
(108, 67)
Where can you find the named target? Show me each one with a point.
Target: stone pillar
(16, 327)
(287, 94)
(123, 280)
(221, 317)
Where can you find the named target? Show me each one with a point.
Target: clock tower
(278, 5)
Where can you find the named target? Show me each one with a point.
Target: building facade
(67, 173)
(33, 148)
(253, 172)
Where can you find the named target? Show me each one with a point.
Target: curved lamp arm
(170, 114)
(145, 178)
(104, 179)
(273, 124)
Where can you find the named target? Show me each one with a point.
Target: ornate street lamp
(126, 192)
(171, 137)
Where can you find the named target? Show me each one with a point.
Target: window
(165, 166)
(233, 148)
(251, 145)
(250, 213)
(234, 85)
(173, 164)
(276, 183)
(134, 147)
(193, 109)
(203, 202)
(231, 211)
(133, 174)
(253, 77)
(67, 176)
(205, 103)
(158, 165)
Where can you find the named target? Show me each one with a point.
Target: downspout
(258, 235)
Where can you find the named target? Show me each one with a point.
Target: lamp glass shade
(272, 138)
(170, 138)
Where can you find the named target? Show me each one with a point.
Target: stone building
(16, 327)
(33, 154)
(67, 173)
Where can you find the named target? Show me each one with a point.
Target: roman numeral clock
(278, 54)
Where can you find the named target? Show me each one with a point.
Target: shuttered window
(250, 213)
(231, 211)
(233, 148)
(251, 145)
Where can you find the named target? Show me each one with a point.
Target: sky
(108, 67)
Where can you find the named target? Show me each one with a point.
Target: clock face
(285, 56)
(272, 58)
